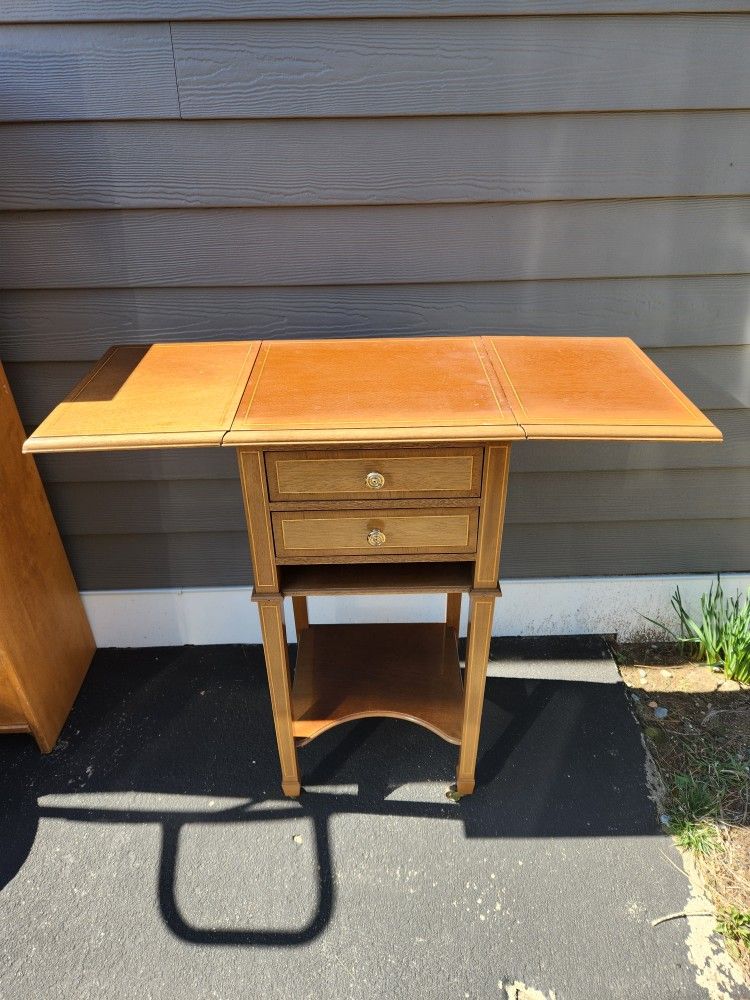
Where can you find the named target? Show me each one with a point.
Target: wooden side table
(370, 467)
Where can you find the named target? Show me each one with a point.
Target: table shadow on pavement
(556, 759)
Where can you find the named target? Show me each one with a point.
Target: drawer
(360, 475)
(375, 532)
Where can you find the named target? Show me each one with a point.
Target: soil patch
(697, 726)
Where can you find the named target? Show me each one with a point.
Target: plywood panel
(45, 640)
(398, 244)
(186, 164)
(175, 10)
(87, 71)
(211, 559)
(80, 324)
(460, 66)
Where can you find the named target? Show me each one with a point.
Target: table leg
(453, 611)
(277, 667)
(299, 607)
(481, 608)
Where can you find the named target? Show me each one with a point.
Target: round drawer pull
(376, 537)
(375, 480)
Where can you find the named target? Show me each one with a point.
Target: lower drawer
(358, 532)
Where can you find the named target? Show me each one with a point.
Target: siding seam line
(174, 66)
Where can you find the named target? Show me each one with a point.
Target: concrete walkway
(152, 855)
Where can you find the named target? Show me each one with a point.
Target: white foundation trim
(567, 606)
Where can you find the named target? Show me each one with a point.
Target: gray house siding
(339, 168)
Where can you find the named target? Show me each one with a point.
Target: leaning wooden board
(374, 466)
(46, 643)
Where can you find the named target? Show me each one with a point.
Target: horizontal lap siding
(80, 324)
(348, 169)
(90, 71)
(375, 245)
(144, 10)
(460, 66)
(373, 161)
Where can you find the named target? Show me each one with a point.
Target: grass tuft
(723, 633)
(700, 838)
(734, 924)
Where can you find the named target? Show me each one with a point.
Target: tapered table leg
(453, 611)
(279, 682)
(301, 620)
(481, 608)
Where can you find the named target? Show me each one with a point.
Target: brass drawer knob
(375, 480)
(376, 537)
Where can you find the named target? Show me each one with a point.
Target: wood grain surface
(346, 532)
(603, 388)
(460, 66)
(346, 672)
(152, 396)
(46, 643)
(375, 389)
(247, 392)
(377, 578)
(314, 475)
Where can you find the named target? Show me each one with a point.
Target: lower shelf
(408, 671)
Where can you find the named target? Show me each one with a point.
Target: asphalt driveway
(153, 856)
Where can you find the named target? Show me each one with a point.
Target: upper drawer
(355, 475)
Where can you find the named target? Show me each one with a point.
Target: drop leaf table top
(403, 390)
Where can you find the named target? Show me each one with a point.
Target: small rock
(729, 686)
(665, 820)
(660, 713)
(653, 704)
(666, 673)
(297, 838)
(642, 674)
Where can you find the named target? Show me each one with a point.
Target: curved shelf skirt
(399, 671)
